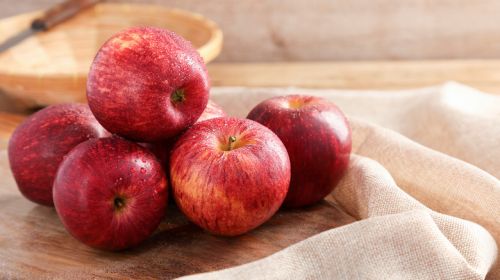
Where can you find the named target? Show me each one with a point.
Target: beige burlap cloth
(423, 184)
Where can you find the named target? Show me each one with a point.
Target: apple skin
(213, 110)
(39, 144)
(110, 193)
(229, 192)
(147, 84)
(317, 137)
(162, 149)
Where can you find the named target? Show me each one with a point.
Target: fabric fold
(423, 185)
(396, 238)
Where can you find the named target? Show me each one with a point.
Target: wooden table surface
(389, 75)
(34, 244)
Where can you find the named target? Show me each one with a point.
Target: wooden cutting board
(34, 243)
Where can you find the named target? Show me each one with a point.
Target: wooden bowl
(52, 67)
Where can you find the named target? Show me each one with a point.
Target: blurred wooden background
(315, 30)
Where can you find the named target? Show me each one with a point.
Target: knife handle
(60, 13)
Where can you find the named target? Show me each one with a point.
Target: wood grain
(384, 75)
(276, 30)
(34, 244)
(52, 67)
(298, 30)
(373, 75)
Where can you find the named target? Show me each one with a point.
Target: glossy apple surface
(229, 175)
(110, 193)
(162, 149)
(39, 144)
(213, 110)
(317, 137)
(147, 84)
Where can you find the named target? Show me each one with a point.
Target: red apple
(39, 144)
(147, 84)
(317, 137)
(162, 149)
(211, 111)
(229, 175)
(110, 193)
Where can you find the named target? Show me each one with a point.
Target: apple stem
(178, 96)
(232, 139)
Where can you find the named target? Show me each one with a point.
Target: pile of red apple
(149, 126)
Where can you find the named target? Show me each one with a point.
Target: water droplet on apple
(143, 170)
